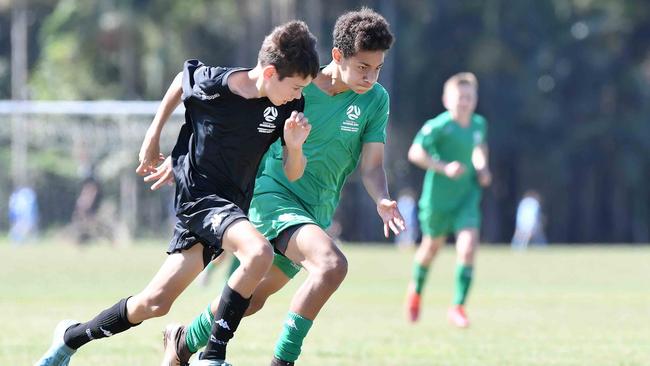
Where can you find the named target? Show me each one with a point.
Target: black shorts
(204, 221)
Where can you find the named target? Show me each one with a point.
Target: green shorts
(275, 209)
(442, 223)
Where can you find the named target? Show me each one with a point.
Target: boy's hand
(390, 215)
(296, 130)
(454, 169)
(484, 177)
(149, 155)
(163, 174)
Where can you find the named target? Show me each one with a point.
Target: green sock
(234, 264)
(463, 281)
(209, 267)
(419, 276)
(294, 331)
(199, 330)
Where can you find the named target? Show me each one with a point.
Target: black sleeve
(201, 81)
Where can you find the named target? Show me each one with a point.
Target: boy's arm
(150, 156)
(374, 180)
(296, 130)
(480, 162)
(421, 158)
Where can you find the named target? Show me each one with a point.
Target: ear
(337, 55)
(268, 71)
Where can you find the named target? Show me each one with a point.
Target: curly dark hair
(362, 30)
(291, 48)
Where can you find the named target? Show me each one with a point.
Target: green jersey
(445, 139)
(341, 124)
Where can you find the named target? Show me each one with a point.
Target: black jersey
(224, 137)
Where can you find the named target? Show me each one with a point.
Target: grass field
(558, 306)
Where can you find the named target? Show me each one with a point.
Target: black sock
(232, 307)
(107, 323)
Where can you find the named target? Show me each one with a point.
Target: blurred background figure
(529, 227)
(409, 209)
(86, 223)
(23, 215)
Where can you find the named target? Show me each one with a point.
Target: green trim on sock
(234, 264)
(463, 279)
(419, 276)
(198, 332)
(285, 265)
(209, 267)
(293, 333)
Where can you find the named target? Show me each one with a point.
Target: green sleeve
(481, 131)
(375, 130)
(484, 130)
(427, 137)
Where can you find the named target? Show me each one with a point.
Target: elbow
(413, 157)
(293, 176)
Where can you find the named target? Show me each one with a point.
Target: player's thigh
(435, 223)
(466, 225)
(314, 249)
(468, 214)
(242, 239)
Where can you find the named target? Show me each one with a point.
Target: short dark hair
(362, 30)
(291, 48)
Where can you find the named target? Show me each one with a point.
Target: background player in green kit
(348, 111)
(451, 147)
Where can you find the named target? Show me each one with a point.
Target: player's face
(361, 71)
(283, 91)
(460, 99)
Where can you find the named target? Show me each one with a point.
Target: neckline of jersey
(337, 95)
(224, 83)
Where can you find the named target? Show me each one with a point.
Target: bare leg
(255, 255)
(326, 266)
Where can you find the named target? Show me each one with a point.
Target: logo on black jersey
(205, 96)
(353, 112)
(270, 114)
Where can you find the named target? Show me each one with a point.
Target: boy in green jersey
(451, 147)
(348, 112)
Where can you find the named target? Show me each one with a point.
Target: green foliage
(126, 49)
(564, 85)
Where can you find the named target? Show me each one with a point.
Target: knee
(333, 270)
(427, 251)
(260, 253)
(466, 256)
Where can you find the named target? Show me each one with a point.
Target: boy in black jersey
(232, 116)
